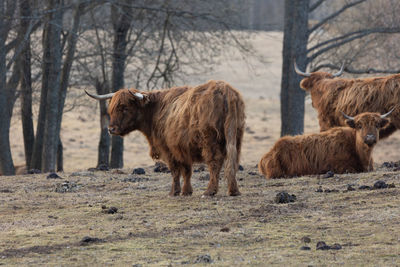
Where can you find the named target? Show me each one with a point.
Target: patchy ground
(92, 218)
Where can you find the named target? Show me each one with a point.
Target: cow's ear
(351, 123)
(383, 123)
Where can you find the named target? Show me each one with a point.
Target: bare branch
(350, 37)
(335, 14)
(315, 5)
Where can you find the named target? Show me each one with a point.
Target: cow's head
(367, 126)
(312, 82)
(126, 110)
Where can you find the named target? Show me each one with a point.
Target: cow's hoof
(234, 193)
(209, 193)
(174, 194)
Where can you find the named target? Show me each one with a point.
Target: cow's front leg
(187, 174)
(176, 184)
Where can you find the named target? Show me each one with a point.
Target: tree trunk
(6, 162)
(52, 64)
(66, 70)
(24, 63)
(294, 48)
(121, 24)
(104, 143)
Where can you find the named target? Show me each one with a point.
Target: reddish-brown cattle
(340, 149)
(184, 125)
(331, 95)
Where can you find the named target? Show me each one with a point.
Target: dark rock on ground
(88, 240)
(329, 174)
(138, 171)
(350, 188)
(380, 185)
(241, 168)
(53, 175)
(225, 229)
(200, 169)
(135, 179)
(203, 259)
(306, 239)
(321, 245)
(305, 248)
(284, 197)
(204, 177)
(252, 173)
(390, 164)
(319, 190)
(109, 210)
(365, 187)
(161, 167)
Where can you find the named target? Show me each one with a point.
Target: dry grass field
(93, 218)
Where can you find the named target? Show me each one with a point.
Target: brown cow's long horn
(387, 114)
(100, 97)
(138, 95)
(340, 72)
(347, 117)
(299, 72)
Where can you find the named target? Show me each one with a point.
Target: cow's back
(188, 114)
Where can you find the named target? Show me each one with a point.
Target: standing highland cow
(339, 149)
(330, 95)
(184, 125)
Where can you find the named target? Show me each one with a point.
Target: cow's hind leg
(186, 171)
(176, 184)
(214, 167)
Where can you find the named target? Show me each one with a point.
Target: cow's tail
(233, 129)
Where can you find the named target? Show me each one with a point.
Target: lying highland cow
(340, 149)
(184, 125)
(330, 95)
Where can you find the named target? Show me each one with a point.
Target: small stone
(350, 188)
(306, 239)
(336, 246)
(305, 248)
(205, 177)
(225, 229)
(138, 171)
(241, 168)
(161, 167)
(319, 190)
(321, 245)
(252, 173)
(203, 259)
(87, 240)
(365, 187)
(284, 197)
(110, 210)
(53, 175)
(380, 185)
(329, 174)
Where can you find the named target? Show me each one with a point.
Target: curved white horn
(299, 72)
(347, 117)
(387, 114)
(340, 72)
(100, 97)
(138, 95)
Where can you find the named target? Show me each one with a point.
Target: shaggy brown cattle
(340, 149)
(184, 125)
(330, 95)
